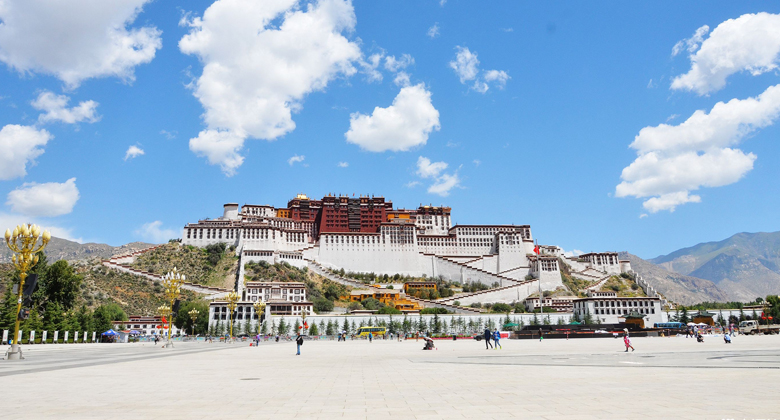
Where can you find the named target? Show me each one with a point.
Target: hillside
(678, 288)
(63, 249)
(211, 266)
(744, 266)
(100, 285)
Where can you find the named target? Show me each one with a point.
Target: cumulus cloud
(370, 66)
(296, 159)
(749, 43)
(56, 109)
(691, 44)
(133, 152)
(44, 200)
(260, 59)
(343, 164)
(466, 66)
(443, 182)
(396, 64)
(76, 40)
(402, 79)
(401, 126)
(433, 31)
(20, 145)
(675, 160)
(155, 233)
(428, 169)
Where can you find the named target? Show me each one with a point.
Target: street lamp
(172, 284)
(232, 298)
(303, 318)
(23, 241)
(165, 311)
(193, 315)
(260, 311)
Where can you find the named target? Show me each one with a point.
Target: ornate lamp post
(303, 318)
(164, 311)
(172, 284)
(232, 298)
(24, 242)
(193, 315)
(260, 311)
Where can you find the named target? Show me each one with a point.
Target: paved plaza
(664, 378)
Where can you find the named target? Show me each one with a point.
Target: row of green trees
(53, 304)
(400, 325)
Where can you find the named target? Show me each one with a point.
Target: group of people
(495, 336)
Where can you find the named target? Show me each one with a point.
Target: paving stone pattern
(664, 378)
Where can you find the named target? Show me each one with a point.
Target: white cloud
(20, 145)
(675, 160)
(748, 43)
(56, 109)
(221, 148)
(170, 135)
(296, 159)
(44, 200)
(477, 162)
(498, 76)
(427, 169)
(402, 79)
(369, 67)
(412, 184)
(75, 40)
(691, 44)
(643, 215)
(343, 164)
(443, 182)
(153, 232)
(261, 58)
(572, 253)
(395, 64)
(433, 31)
(466, 66)
(401, 126)
(13, 220)
(133, 152)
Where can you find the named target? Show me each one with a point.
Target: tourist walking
(299, 343)
(370, 337)
(627, 342)
(497, 340)
(541, 334)
(488, 334)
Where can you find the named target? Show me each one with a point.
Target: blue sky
(532, 107)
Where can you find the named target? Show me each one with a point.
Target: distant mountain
(63, 249)
(676, 287)
(745, 266)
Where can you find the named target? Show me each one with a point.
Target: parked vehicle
(753, 327)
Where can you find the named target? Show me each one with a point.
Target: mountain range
(744, 266)
(63, 249)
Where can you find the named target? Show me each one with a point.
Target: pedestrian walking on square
(541, 334)
(370, 337)
(497, 340)
(627, 342)
(488, 334)
(299, 343)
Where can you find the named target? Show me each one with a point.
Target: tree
(314, 330)
(84, 320)
(345, 327)
(297, 328)
(684, 318)
(500, 308)
(330, 328)
(103, 316)
(184, 322)
(60, 284)
(372, 304)
(354, 306)
(587, 320)
(322, 305)
(283, 327)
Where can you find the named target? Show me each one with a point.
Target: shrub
(388, 310)
(476, 305)
(355, 306)
(456, 303)
(434, 311)
(322, 305)
(372, 304)
(501, 308)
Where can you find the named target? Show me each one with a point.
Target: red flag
(164, 321)
(306, 325)
(536, 250)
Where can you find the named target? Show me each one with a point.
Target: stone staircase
(478, 272)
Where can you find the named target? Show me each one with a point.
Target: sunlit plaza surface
(671, 377)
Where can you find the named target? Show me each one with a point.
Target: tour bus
(670, 325)
(363, 331)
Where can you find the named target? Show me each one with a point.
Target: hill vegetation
(215, 265)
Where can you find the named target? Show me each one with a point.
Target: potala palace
(367, 234)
